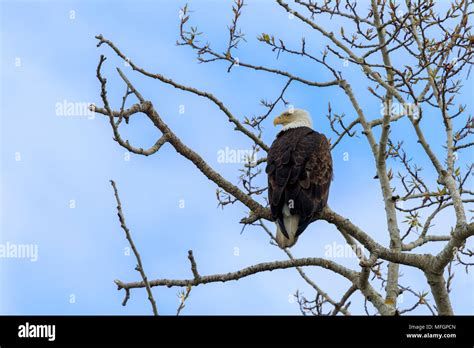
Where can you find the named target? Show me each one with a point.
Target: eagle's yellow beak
(278, 120)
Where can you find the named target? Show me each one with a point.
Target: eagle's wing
(299, 168)
(314, 152)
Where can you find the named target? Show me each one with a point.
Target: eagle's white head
(294, 118)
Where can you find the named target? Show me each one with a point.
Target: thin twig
(139, 267)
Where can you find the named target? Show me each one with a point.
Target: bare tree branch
(139, 267)
(441, 46)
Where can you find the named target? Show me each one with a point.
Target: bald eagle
(299, 169)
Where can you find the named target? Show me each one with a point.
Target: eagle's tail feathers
(291, 223)
(281, 227)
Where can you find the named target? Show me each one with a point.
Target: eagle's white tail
(291, 225)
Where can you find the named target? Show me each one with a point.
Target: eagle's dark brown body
(299, 168)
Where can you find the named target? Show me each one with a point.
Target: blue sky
(51, 161)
